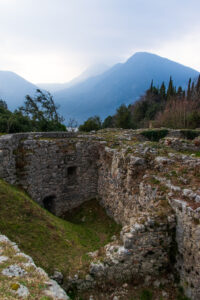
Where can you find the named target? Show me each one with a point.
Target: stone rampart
(62, 170)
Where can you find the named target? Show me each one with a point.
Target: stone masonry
(135, 181)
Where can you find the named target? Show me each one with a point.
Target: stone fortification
(56, 169)
(152, 189)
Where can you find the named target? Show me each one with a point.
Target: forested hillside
(160, 106)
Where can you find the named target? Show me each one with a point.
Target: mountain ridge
(100, 95)
(14, 88)
(123, 83)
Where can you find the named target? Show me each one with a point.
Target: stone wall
(59, 172)
(118, 185)
(62, 170)
(144, 252)
(188, 247)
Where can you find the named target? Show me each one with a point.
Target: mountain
(123, 83)
(14, 88)
(89, 72)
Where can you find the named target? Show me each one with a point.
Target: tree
(123, 117)
(72, 125)
(93, 123)
(171, 89)
(3, 104)
(163, 91)
(108, 122)
(189, 90)
(180, 92)
(5, 117)
(198, 86)
(42, 111)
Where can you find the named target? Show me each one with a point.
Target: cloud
(56, 39)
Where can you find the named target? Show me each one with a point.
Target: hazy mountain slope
(89, 72)
(123, 83)
(14, 88)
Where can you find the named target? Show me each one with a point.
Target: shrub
(189, 134)
(155, 135)
(93, 123)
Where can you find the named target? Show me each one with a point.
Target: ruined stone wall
(144, 252)
(67, 170)
(118, 185)
(59, 172)
(188, 247)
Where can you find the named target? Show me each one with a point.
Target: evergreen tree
(171, 89)
(3, 104)
(151, 86)
(163, 91)
(189, 90)
(108, 122)
(179, 92)
(192, 90)
(198, 86)
(123, 117)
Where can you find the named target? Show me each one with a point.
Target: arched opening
(49, 203)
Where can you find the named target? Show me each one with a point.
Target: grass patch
(54, 243)
(146, 295)
(154, 181)
(187, 152)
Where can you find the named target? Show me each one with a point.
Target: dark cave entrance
(49, 203)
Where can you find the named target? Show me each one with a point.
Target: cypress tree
(180, 92)
(198, 86)
(170, 90)
(189, 90)
(151, 87)
(163, 91)
(192, 90)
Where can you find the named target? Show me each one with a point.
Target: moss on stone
(15, 286)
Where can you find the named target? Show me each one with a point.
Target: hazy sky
(55, 40)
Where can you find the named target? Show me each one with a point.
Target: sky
(55, 40)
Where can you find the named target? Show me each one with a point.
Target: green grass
(54, 243)
(187, 152)
(146, 295)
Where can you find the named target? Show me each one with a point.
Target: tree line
(39, 113)
(159, 107)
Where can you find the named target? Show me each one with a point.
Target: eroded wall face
(58, 173)
(188, 248)
(118, 185)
